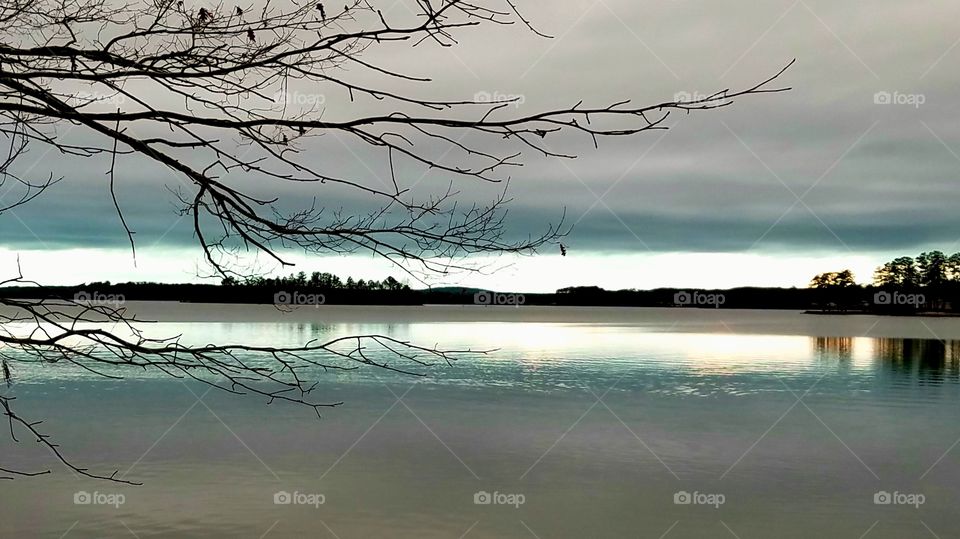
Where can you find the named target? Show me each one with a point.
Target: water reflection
(546, 357)
(923, 360)
(697, 400)
(927, 360)
(840, 348)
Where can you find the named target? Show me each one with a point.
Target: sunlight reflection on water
(718, 411)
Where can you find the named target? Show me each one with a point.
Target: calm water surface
(599, 430)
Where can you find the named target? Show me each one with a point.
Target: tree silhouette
(932, 269)
(833, 280)
(900, 272)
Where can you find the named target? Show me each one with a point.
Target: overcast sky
(768, 191)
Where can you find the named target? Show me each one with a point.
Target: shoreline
(919, 314)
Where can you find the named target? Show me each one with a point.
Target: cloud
(820, 169)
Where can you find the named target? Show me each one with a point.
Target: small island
(927, 285)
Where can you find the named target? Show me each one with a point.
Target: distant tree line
(930, 282)
(326, 281)
(931, 270)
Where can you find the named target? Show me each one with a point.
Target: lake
(676, 423)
